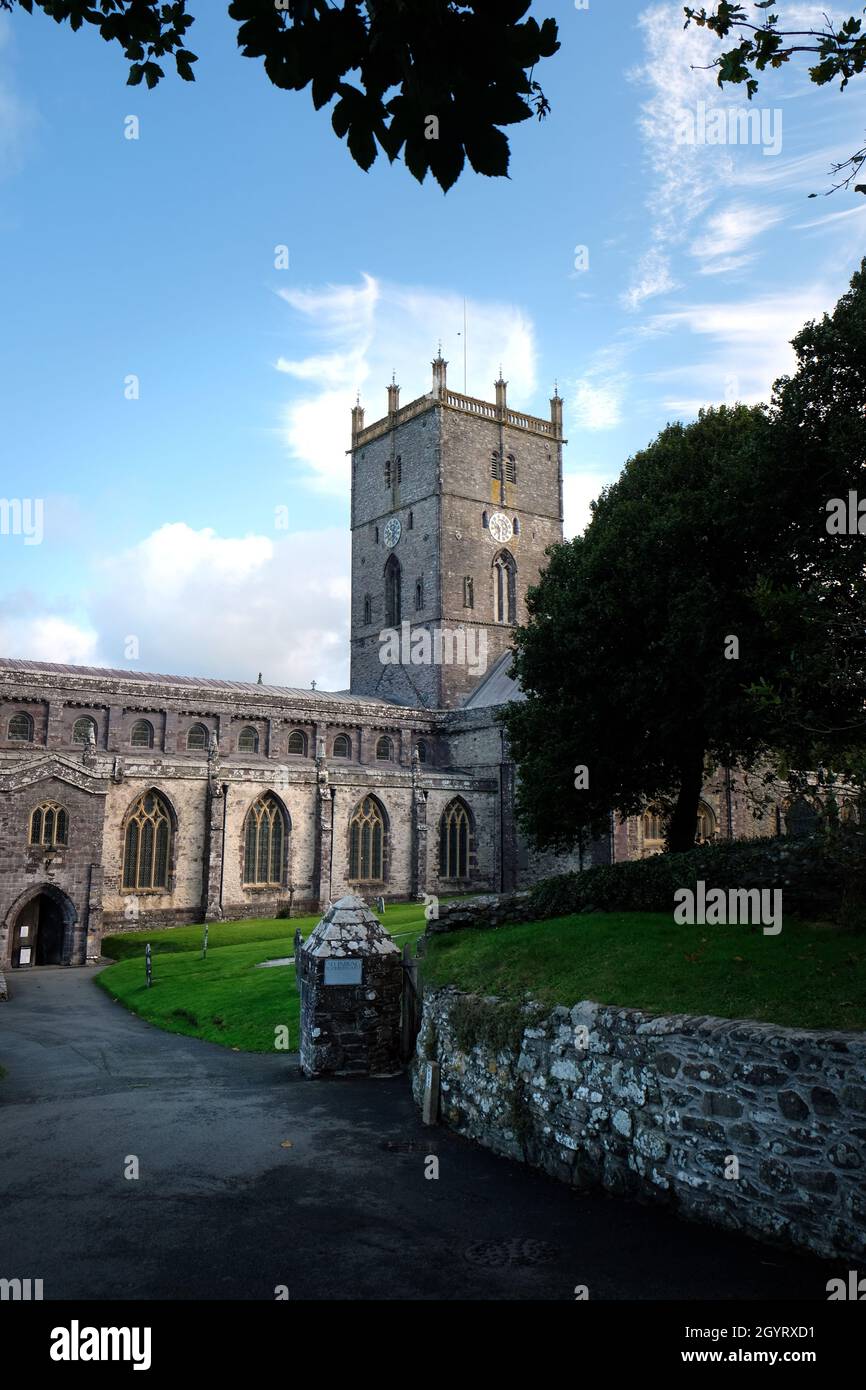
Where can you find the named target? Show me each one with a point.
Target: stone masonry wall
(657, 1109)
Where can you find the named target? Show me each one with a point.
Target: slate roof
(497, 687)
(51, 668)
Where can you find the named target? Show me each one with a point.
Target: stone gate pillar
(350, 979)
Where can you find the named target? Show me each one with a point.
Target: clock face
(393, 531)
(500, 527)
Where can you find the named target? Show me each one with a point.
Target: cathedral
(130, 800)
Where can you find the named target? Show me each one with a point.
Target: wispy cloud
(740, 347)
(722, 245)
(18, 115)
(360, 334)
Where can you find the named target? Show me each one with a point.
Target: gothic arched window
(419, 594)
(367, 842)
(801, 819)
(496, 466)
(422, 751)
(264, 843)
(504, 588)
(468, 592)
(510, 469)
(146, 844)
(368, 610)
(49, 825)
(21, 728)
(516, 524)
(342, 746)
(298, 742)
(706, 824)
(197, 738)
(393, 592)
(248, 741)
(82, 729)
(142, 734)
(384, 750)
(455, 837)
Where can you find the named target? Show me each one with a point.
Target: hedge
(822, 878)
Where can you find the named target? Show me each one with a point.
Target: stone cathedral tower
(454, 501)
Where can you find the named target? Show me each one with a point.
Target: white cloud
(361, 334)
(578, 491)
(598, 405)
(42, 636)
(232, 606)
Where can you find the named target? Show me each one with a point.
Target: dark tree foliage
(813, 597)
(623, 659)
(839, 48)
(720, 528)
(432, 80)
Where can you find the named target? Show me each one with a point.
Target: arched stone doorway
(43, 930)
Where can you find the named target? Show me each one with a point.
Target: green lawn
(809, 976)
(224, 998)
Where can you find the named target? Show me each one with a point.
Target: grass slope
(807, 977)
(223, 999)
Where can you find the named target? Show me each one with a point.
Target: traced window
(21, 728)
(468, 592)
(422, 751)
(142, 734)
(455, 833)
(384, 751)
(504, 588)
(264, 843)
(197, 738)
(146, 844)
(342, 746)
(367, 842)
(82, 730)
(393, 592)
(298, 742)
(510, 469)
(654, 828)
(248, 741)
(368, 610)
(49, 825)
(419, 594)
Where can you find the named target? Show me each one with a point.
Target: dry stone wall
(749, 1126)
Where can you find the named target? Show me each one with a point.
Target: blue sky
(155, 257)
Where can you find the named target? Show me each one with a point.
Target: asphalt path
(252, 1178)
